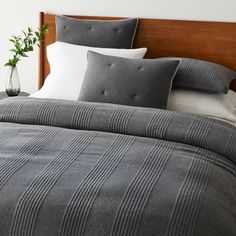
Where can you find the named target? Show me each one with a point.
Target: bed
(83, 168)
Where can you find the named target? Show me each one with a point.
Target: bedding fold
(196, 130)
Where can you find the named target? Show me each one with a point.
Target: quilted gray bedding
(72, 168)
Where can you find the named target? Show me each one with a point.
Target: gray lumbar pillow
(135, 82)
(96, 33)
(203, 76)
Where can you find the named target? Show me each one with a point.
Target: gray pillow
(134, 82)
(203, 76)
(96, 33)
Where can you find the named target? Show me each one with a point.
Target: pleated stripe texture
(187, 205)
(205, 76)
(215, 77)
(159, 123)
(186, 64)
(230, 215)
(24, 154)
(82, 116)
(231, 146)
(129, 213)
(120, 119)
(11, 112)
(46, 113)
(7, 135)
(25, 214)
(168, 170)
(199, 129)
(78, 209)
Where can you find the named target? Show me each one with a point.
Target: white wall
(17, 15)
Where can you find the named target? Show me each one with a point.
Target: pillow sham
(96, 33)
(214, 105)
(135, 82)
(68, 64)
(203, 76)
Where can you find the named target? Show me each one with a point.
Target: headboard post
(41, 54)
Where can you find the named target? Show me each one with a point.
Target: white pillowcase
(232, 95)
(68, 63)
(214, 105)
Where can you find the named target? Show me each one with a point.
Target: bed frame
(213, 41)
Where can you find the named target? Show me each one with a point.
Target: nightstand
(4, 95)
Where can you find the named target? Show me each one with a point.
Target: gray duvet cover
(72, 168)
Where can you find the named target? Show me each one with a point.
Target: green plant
(25, 43)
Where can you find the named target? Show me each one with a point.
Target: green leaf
(25, 43)
(24, 55)
(7, 64)
(14, 50)
(45, 26)
(17, 46)
(11, 62)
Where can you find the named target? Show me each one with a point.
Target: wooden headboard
(212, 41)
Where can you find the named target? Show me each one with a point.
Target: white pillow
(232, 95)
(68, 63)
(214, 105)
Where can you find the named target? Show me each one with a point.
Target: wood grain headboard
(212, 41)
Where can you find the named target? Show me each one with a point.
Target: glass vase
(13, 82)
